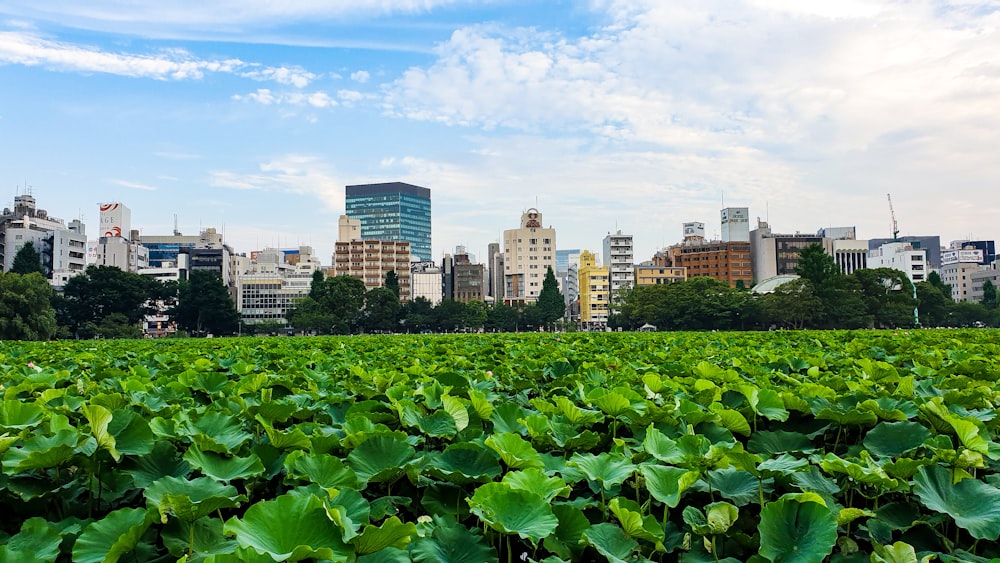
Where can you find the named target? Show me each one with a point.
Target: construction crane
(895, 226)
(895, 238)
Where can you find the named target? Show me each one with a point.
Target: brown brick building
(724, 261)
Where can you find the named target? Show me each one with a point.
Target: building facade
(62, 247)
(776, 254)
(468, 280)
(902, 256)
(619, 257)
(724, 261)
(529, 251)
(957, 268)
(425, 281)
(370, 261)
(931, 245)
(735, 222)
(393, 211)
(595, 292)
(651, 274)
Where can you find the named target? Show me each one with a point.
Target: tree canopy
(204, 304)
(27, 260)
(26, 307)
(551, 304)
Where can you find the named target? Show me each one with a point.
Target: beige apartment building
(528, 252)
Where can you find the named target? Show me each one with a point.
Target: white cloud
(361, 76)
(134, 185)
(294, 173)
(266, 97)
(290, 76)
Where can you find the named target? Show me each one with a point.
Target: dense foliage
(792, 446)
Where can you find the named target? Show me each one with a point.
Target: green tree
(204, 305)
(27, 260)
(104, 295)
(840, 295)
(935, 280)
(818, 267)
(334, 305)
(989, 295)
(417, 315)
(392, 282)
(888, 296)
(449, 316)
(551, 303)
(933, 305)
(475, 315)
(501, 318)
(309, 315)
(381, 310)
(531, 317)
(26, 307)
(793, 304)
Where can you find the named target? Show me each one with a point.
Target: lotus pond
(786, 446)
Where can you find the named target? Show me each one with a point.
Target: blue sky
(639, 115)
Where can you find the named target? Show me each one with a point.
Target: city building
(370, 261)
(931, 245)
(272, 286)
(468, 280)
(164, 249)
(348, 229)
(497, 277)
(492, 273)
(649, 273)
(735, 224)
(902, 256)
(426, 281)
(529, 251)
(989, 273)
(118, 245)
(987, 246)
(393, 211)
(595, 292)
(571, 291)
(62, 247)
(724, 261)
(776, 254)
(957, 267)
(619, 258)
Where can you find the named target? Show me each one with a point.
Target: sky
(635, 115)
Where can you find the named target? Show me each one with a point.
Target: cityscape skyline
(632, 115)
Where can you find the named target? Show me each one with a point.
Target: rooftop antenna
(176, 232)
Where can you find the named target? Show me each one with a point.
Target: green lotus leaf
(612, 403)
(870, 472)
(132, 433)
(778, 442)
(606, 469)
(511, 511)
(566, 541)
(633, 522)
(506, 418)
(899, 552)
(387, 555)
(766, 403)
(190, 500)
(782, 465)
(799, 532)
(285, 439)
(99, 419)
(42, 452)
(350, 511)
(216, 432)
(108, 539)
(845, 417)
(737, 485)
(163, 461)
(811, 480)
(480, 403)
(274, 411)
(457, 410)
(514, 450)
(686, 450)
(437, 424)
(892, 439)
(734, 421)
(203, 537)
(326, 471)
(16, 414)
(290, 528)
(391, 533)
(575, 414)
(974, 505)
(721, 516)
(611, 542)
(888, 408)
(667, 484)
(452, 543)
(464, 463)
(848, 515)
(224, 468)
(534, 481)
(37, 541)
(383, 457)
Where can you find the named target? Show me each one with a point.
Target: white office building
(901, 256)
(620, 260)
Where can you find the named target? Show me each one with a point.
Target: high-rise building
(118, 245)
(425, 281)
(595, 294)
(370, 261)
(492, 249)
(529, 251)
(63, 248)
(619, 258)
(930, 244)
(348, 229)
(465, 281)
(393, 211)
(957, 267)
(736, 224)
(776, 254)
(902, 256)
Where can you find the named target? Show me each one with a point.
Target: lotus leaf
(108, 539)
(974, 505)
(511, 511)
(464, 463)
(290, 528)
(381, 458)
(391, 533)
(223, 468)
(326, 471)
(611, 542)
(799, 532)
(451, 543)
(37, 541)
(633, 522)
(667, 484)
(515, 451)
(534, 481)
(16, 414)
(608, 470)
(190, 500)
(892, 439)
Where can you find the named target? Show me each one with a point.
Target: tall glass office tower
(393, 211)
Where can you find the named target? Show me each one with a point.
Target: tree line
(821, 298)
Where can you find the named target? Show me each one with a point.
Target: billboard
(957, 256)
(116, 220)
(694, 229)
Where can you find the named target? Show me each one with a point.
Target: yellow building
(595, 292)
(648, 274)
